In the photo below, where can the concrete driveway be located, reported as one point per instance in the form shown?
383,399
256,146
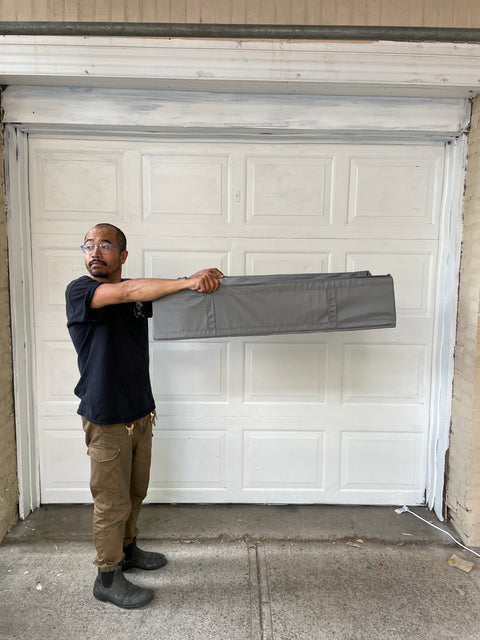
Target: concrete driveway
246,573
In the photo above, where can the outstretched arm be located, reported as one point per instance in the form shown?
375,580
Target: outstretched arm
146,289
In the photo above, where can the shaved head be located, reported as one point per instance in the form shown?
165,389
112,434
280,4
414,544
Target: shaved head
121,240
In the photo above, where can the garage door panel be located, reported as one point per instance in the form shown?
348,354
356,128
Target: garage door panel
83,184
186,187
381,461
76,183
285,372
384,373
56,372
190,371
283,459
394,188
188,458
64,476
289,190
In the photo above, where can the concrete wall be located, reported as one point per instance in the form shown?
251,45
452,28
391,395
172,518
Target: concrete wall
8,460
428,13
463,487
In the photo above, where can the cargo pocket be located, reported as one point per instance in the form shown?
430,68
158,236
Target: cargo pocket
99,454
105,472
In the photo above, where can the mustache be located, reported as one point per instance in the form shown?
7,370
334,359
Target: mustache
96,261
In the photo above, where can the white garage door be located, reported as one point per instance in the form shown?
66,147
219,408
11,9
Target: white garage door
317,418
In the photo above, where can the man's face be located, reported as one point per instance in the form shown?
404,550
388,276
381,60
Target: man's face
106,267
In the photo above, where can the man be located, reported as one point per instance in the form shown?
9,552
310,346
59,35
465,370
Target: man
107,321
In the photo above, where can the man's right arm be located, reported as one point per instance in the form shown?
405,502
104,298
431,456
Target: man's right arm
147,289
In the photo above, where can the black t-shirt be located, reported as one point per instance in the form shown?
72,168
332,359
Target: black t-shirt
113,357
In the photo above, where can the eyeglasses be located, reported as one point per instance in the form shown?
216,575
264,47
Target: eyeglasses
104,247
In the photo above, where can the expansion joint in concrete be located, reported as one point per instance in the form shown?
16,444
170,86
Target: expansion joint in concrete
262,625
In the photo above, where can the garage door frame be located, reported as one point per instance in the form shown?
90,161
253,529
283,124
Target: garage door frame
19,235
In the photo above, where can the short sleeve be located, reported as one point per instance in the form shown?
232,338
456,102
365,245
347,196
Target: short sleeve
79,294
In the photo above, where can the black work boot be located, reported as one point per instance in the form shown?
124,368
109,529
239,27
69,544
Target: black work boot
112,586
148,560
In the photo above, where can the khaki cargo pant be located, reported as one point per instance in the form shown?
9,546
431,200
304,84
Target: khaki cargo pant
119,474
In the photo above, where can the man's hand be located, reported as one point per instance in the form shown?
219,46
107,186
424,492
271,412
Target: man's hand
205,281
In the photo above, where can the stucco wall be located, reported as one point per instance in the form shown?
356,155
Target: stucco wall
463,487
428,13
8,461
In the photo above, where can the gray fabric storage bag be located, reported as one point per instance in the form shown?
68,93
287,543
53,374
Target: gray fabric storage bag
365,303
276,304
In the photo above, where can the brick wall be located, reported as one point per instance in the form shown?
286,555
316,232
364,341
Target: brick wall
463,485
8,459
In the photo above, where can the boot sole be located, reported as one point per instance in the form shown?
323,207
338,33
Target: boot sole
122,606
136,566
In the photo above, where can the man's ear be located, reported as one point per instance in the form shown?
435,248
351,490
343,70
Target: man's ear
124,255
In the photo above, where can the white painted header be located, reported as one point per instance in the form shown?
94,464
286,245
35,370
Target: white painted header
345,68
196,112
